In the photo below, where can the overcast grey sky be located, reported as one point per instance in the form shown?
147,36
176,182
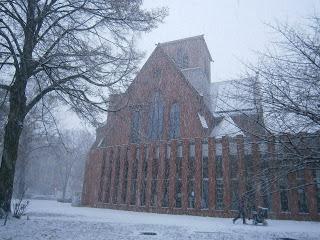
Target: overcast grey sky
233,29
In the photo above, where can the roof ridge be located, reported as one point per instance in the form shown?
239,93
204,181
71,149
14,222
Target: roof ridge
233,80
183,39
186,69
201,37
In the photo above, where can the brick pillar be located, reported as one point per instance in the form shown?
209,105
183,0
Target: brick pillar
172,173
311,194
88,188
139,176
241,164
87,180
114,159
121,173
275,184
160,188
256,169
94,186
99,169
149,174
198,173
184,173
293,195
131,159
96,170
212,173
226,174
104,179
108,156
276,199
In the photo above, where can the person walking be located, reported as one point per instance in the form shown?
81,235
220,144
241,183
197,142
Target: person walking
241,211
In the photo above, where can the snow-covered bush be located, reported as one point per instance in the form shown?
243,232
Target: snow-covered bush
19,208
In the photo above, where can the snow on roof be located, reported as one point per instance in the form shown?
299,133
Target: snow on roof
199,81
289,123
226,127
100,142
232,96
203,121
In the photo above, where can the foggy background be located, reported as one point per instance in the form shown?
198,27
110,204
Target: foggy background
233,29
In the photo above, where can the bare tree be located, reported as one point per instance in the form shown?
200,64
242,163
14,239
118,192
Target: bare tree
39,132
71,159
286,91
76,51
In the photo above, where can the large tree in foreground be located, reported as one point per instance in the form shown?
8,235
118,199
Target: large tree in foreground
75,51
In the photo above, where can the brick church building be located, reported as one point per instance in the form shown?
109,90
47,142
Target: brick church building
177,143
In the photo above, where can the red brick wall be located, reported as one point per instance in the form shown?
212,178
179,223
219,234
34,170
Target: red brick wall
173,87
95,177
92,178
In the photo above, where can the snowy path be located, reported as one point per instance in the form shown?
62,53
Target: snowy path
53,220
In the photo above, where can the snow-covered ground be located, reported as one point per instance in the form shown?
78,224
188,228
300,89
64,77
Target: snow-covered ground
53,220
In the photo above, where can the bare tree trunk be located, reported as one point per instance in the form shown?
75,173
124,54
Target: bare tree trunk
12,135
25,146
64,190
66,181
9,157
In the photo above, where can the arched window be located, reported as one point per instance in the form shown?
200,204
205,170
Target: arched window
174,128
156,117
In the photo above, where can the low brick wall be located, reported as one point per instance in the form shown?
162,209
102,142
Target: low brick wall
192,176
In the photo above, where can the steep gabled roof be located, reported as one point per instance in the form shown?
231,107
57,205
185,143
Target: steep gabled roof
197,78
232,96
178,70
226,127
170,60
199,37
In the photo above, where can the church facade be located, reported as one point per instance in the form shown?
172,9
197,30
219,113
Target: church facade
174,142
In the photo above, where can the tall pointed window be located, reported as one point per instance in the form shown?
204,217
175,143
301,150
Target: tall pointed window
156,117
174,129
234,170
134,177
178,194
205,176
219,177
165,200
302,197
191,170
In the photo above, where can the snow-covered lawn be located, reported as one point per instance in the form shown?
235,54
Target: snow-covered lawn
53,220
